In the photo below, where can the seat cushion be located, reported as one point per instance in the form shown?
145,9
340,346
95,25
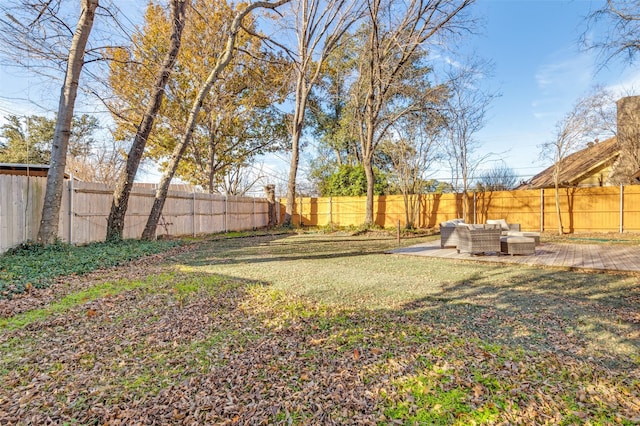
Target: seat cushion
516,240
452,222
534,235
502,222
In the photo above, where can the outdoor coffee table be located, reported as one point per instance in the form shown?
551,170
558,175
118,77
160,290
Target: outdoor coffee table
517,245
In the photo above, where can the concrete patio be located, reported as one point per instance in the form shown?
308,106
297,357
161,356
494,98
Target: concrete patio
598,257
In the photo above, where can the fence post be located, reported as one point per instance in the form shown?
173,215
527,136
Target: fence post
621,208
212,213
541,210
330,210
71,208
24,205
475,203
254,213
226,210
155,232
193,211
300,211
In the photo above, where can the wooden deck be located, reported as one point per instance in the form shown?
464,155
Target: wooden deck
599,257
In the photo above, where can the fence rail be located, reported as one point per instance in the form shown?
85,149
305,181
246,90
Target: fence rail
86,206
598,209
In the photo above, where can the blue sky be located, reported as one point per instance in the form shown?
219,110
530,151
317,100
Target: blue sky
539,70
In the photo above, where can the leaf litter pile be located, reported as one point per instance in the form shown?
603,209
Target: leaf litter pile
154,343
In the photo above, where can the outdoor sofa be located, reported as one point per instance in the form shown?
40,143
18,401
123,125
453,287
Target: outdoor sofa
478,238
448,234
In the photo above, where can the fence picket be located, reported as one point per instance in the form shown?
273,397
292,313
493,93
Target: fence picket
86,205
597,209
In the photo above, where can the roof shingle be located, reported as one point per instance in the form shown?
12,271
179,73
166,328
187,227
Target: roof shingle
578,165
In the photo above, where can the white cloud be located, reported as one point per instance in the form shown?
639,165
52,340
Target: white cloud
565,73
560,81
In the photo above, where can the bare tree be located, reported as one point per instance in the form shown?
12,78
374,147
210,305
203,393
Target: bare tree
48,232
582,124
392,81
222,61
102,165
466,111
36,35
319,26
498,178
412,150
621,37
124,184
239,179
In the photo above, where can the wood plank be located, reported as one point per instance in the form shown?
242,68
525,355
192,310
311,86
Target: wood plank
629,258
578,256
608,259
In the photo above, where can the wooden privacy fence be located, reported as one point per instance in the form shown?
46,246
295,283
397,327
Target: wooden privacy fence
86,206
597,209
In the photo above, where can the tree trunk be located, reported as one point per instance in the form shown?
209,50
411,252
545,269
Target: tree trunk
368,172
211,163
115,223
411,203
296,134
368,147
48,232
370,114
558,212
465,206
465,194
407,203
556,183
270,191
291,184
223,61
415,223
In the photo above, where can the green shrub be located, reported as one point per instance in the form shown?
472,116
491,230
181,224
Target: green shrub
31,265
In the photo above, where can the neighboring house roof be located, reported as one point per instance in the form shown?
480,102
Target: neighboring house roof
578,166
40,170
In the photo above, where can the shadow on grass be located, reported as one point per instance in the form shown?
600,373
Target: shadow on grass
285,249
205,345
569,313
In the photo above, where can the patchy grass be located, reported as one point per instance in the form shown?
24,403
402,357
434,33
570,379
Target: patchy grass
629,238
68,302
324,329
